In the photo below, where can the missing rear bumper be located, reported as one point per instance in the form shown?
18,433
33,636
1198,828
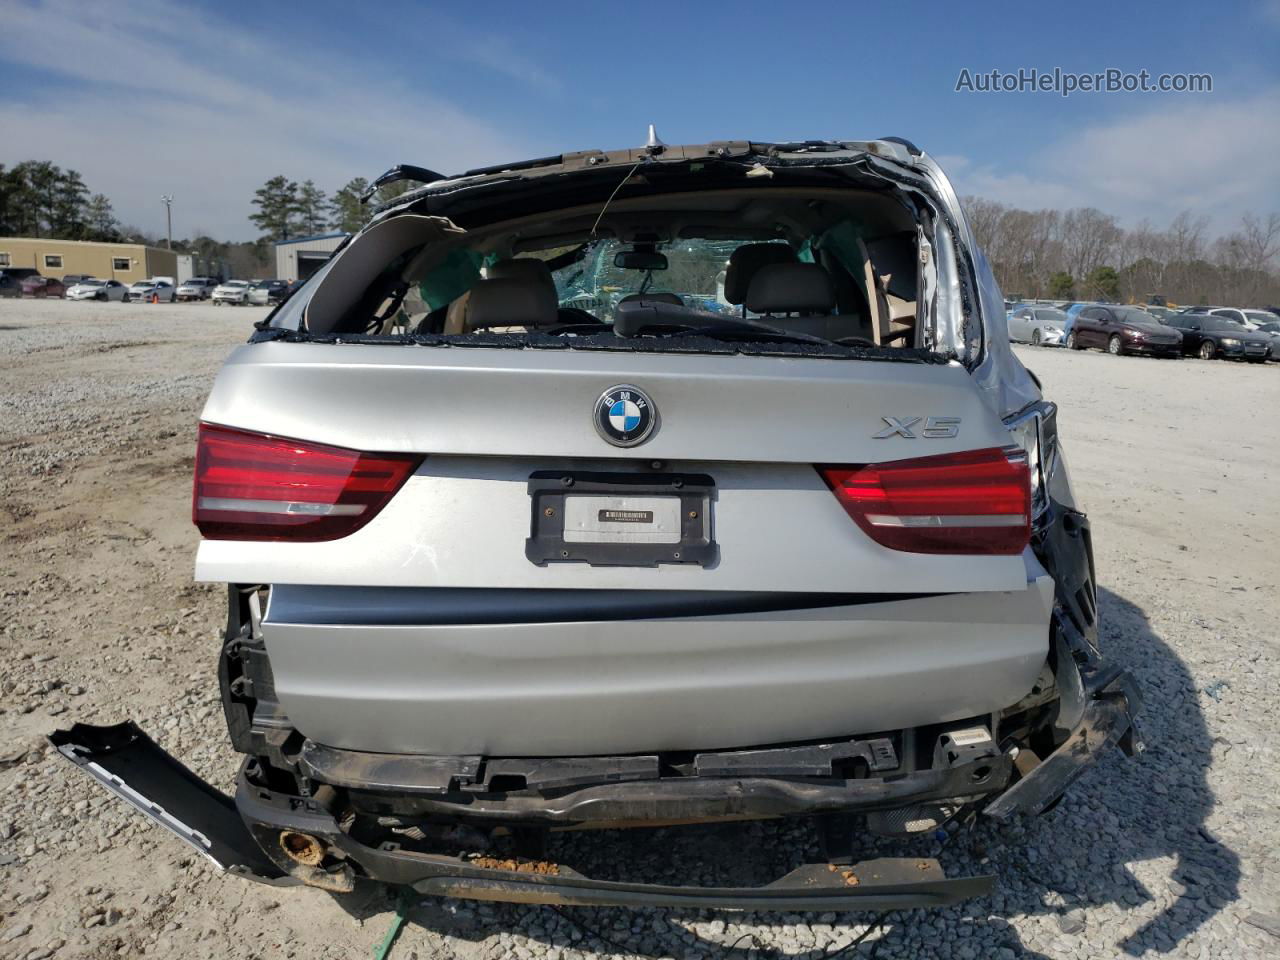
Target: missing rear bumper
882,884
247,837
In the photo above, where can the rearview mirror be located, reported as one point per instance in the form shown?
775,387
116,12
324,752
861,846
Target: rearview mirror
640,260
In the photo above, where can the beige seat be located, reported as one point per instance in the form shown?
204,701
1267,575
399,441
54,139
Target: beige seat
512,302
529,269
746,261
800,297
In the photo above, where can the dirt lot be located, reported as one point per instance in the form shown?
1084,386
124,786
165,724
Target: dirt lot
1172,854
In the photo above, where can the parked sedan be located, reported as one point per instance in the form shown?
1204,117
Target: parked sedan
148,290
1207,336
98,290
265,292
233,291
1161,313
196,288
38,286
1119,329
1271,328
1038,326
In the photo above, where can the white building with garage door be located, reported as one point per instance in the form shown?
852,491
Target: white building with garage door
300,258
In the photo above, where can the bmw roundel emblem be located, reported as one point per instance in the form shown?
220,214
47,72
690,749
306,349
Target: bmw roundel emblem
625,416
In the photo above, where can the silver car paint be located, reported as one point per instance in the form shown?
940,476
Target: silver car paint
539,402
462,522
665,684
487,418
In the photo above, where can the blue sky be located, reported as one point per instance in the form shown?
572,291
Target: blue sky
153,96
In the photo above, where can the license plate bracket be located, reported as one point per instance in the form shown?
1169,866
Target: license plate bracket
621,519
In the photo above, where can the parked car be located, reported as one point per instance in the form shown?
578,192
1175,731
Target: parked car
38,286
196,288
1209,335
10,286
729,570
1119,329
98,290
265,292
71,279
157,288
1038,326
1271,330
1235,314
1255,318
232,291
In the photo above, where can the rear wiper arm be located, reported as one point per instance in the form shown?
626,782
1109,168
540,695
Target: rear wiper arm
639,316
745,330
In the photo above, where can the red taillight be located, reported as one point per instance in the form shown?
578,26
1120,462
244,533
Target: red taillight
250,486
976,502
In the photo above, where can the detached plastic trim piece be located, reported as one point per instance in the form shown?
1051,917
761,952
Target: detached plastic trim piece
136,770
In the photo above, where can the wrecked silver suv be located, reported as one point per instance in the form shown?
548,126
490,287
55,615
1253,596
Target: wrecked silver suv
661,486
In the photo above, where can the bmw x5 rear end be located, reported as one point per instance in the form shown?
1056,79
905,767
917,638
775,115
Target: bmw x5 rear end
670,485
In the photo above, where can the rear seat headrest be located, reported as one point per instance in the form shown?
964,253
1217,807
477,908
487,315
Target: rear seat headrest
803,288
522,268
512,303
746,260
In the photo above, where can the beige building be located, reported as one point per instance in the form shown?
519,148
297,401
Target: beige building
127,262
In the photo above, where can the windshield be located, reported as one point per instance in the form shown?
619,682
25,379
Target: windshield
1260,316
1051,316
89,283
694,273
1223,325
1132,315
236,283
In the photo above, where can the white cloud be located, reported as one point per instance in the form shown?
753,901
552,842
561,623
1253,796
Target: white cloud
144,105
1210,155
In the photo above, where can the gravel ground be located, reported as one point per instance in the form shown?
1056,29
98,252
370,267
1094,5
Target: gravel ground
1172,854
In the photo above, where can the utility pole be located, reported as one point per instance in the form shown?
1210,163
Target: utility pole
167,199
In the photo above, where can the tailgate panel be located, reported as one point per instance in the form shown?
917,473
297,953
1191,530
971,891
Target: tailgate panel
463,522
540,402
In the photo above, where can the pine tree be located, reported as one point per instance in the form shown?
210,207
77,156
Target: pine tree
311,207
277,203
100,219
346,212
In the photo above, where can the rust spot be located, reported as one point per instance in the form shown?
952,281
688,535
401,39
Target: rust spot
848,876
302,848
543,867
924,865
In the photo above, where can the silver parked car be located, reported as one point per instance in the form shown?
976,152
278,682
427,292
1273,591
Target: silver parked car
196,288
500,564
231,291
1038,326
